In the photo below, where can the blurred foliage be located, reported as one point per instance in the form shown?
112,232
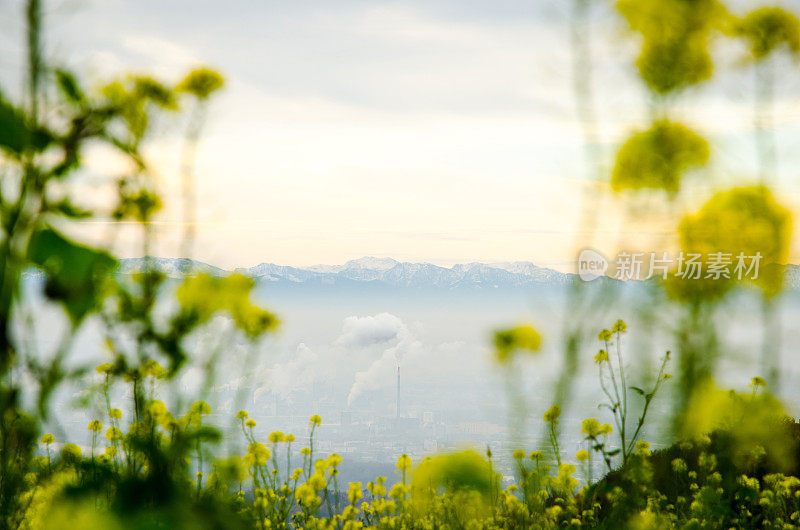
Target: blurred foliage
675,40
658,157
769,29
744,221
734,463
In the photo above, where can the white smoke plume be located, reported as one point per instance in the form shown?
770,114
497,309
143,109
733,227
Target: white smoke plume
381,373
299,371
360,332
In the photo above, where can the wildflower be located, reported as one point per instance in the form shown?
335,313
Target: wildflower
113,434
643,448
666,376
552,414
201,407
519,454
398,491
317,481
488,452
151,368
536,455
104,368
95,426
601,356
404,462
296,473
250,423
590,427
111,451
334,460
276,437
582,455
290,438
354,492
315,420
758,381
259,452
679,465
619,327
115,414
241,415
48,438
606,428
510,341
604,335
71,451
305,451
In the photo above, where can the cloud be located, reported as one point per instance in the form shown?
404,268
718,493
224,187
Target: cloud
300,371
360,332
381,372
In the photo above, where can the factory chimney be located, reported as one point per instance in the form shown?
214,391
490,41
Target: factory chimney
397,402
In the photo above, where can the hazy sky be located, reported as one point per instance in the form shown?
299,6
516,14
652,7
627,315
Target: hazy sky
437,130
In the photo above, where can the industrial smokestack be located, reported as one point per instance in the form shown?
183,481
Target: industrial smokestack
397,402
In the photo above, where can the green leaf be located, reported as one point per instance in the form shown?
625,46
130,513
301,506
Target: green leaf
75,272
638,390
69,86
613,452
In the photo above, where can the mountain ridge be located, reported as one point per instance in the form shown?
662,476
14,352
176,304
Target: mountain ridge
370,269
394,273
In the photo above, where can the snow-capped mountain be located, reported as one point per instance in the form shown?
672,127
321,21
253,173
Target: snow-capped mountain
385,271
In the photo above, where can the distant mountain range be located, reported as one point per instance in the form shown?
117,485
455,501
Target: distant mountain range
376,270
389,272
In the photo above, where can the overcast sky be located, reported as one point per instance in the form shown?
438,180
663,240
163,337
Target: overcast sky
436,130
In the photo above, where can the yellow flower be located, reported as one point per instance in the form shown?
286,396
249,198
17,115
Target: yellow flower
334,460
605,429
48,438
601,356
250,423
95,426
115,414
758,381
536,455
507,342
290,438
242,415
71,451
552,414
260,452
315,420
104,368
200,407
590,427
658,157
276,437
305,451
404,462
113,434
153,369
354,492
604,335
582,455
519,454
201,83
